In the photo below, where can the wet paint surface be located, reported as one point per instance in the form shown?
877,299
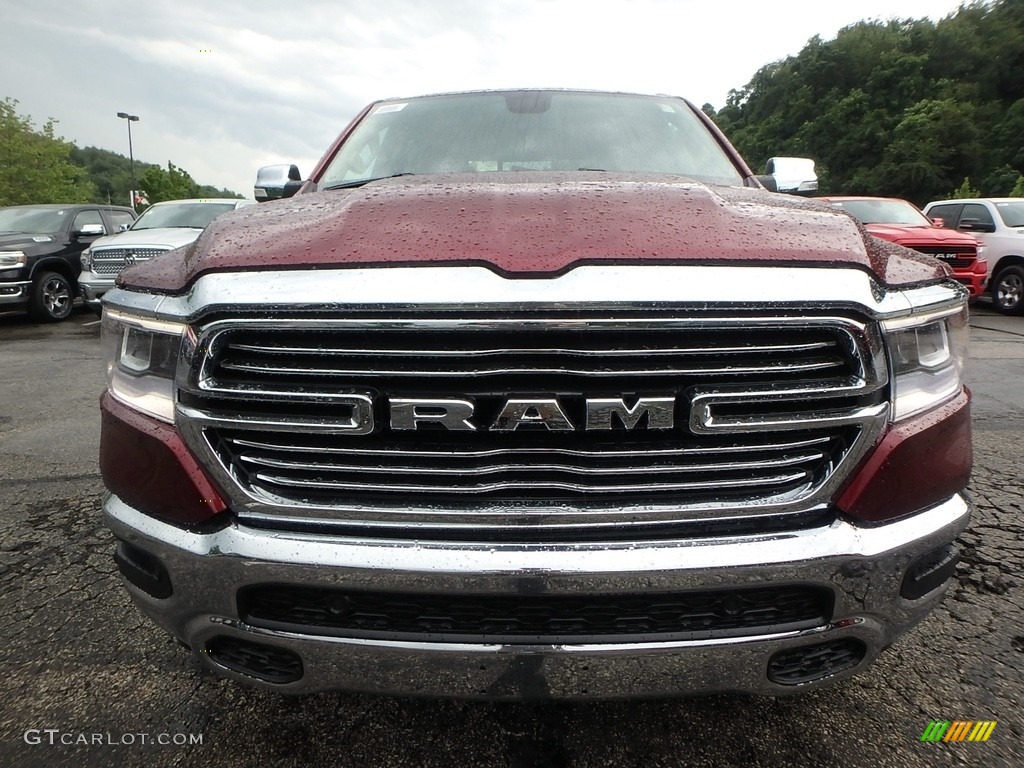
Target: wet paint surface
531,225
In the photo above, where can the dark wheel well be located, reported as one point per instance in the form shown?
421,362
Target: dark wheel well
59,266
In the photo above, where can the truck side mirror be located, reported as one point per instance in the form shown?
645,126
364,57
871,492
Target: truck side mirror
276,181
976,225
793,175
90,230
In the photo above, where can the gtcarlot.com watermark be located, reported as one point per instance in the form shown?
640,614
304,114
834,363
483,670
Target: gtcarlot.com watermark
55,736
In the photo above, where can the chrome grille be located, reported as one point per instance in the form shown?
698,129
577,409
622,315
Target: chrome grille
956,256
273,403
110,261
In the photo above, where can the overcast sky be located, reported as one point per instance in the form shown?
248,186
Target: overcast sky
225,87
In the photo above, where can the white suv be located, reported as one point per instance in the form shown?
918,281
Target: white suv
999,223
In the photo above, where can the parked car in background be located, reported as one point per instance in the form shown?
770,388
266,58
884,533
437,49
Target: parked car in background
162,227
39,253
901,222
999,223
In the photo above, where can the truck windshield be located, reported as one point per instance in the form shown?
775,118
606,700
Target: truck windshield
32,221
531,131
187,215
885,212
1012,214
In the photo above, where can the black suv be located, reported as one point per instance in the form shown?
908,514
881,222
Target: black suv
39,249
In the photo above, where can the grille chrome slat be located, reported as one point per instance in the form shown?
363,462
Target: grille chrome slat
247,459
354,351
731,370
533,485
455,453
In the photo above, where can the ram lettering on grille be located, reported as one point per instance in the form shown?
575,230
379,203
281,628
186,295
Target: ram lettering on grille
601,414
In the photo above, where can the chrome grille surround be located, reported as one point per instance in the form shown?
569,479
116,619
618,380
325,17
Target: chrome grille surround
761,440
956,256
110,261
798,292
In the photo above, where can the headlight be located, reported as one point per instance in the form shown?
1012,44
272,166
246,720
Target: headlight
926,358
141,356
85,259
11,259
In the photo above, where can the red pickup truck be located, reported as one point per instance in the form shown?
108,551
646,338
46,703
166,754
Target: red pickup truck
535,394
900,221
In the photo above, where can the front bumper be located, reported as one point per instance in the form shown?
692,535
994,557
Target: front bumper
974,280
92,289
15,293
863,568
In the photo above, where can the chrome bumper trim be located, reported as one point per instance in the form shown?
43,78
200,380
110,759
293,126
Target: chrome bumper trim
14,297
863,567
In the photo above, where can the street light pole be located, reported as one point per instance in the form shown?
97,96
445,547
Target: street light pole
131,157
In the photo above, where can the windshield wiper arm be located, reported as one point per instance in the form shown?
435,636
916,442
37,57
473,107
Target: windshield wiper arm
361,182
169,226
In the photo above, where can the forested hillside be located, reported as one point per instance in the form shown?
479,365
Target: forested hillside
905,108
110,173
38,166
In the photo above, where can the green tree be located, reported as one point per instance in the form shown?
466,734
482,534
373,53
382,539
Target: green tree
998,183
172,184
208,190
35,166
904,108
1018,188
932,147
109,172
965,190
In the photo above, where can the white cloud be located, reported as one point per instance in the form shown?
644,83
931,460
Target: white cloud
223,88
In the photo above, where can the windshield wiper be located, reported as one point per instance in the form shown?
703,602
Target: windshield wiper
167,226
361,182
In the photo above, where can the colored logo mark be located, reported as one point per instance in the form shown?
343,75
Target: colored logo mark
958,730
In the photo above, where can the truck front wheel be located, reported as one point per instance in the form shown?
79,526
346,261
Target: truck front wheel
1008,290
51,299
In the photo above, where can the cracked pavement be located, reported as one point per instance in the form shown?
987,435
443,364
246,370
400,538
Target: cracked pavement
78,658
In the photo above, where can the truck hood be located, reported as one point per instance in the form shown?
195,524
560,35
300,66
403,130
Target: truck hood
158,237
530,225
10,241
920,235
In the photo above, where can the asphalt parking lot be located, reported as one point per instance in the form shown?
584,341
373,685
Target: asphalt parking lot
87,682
